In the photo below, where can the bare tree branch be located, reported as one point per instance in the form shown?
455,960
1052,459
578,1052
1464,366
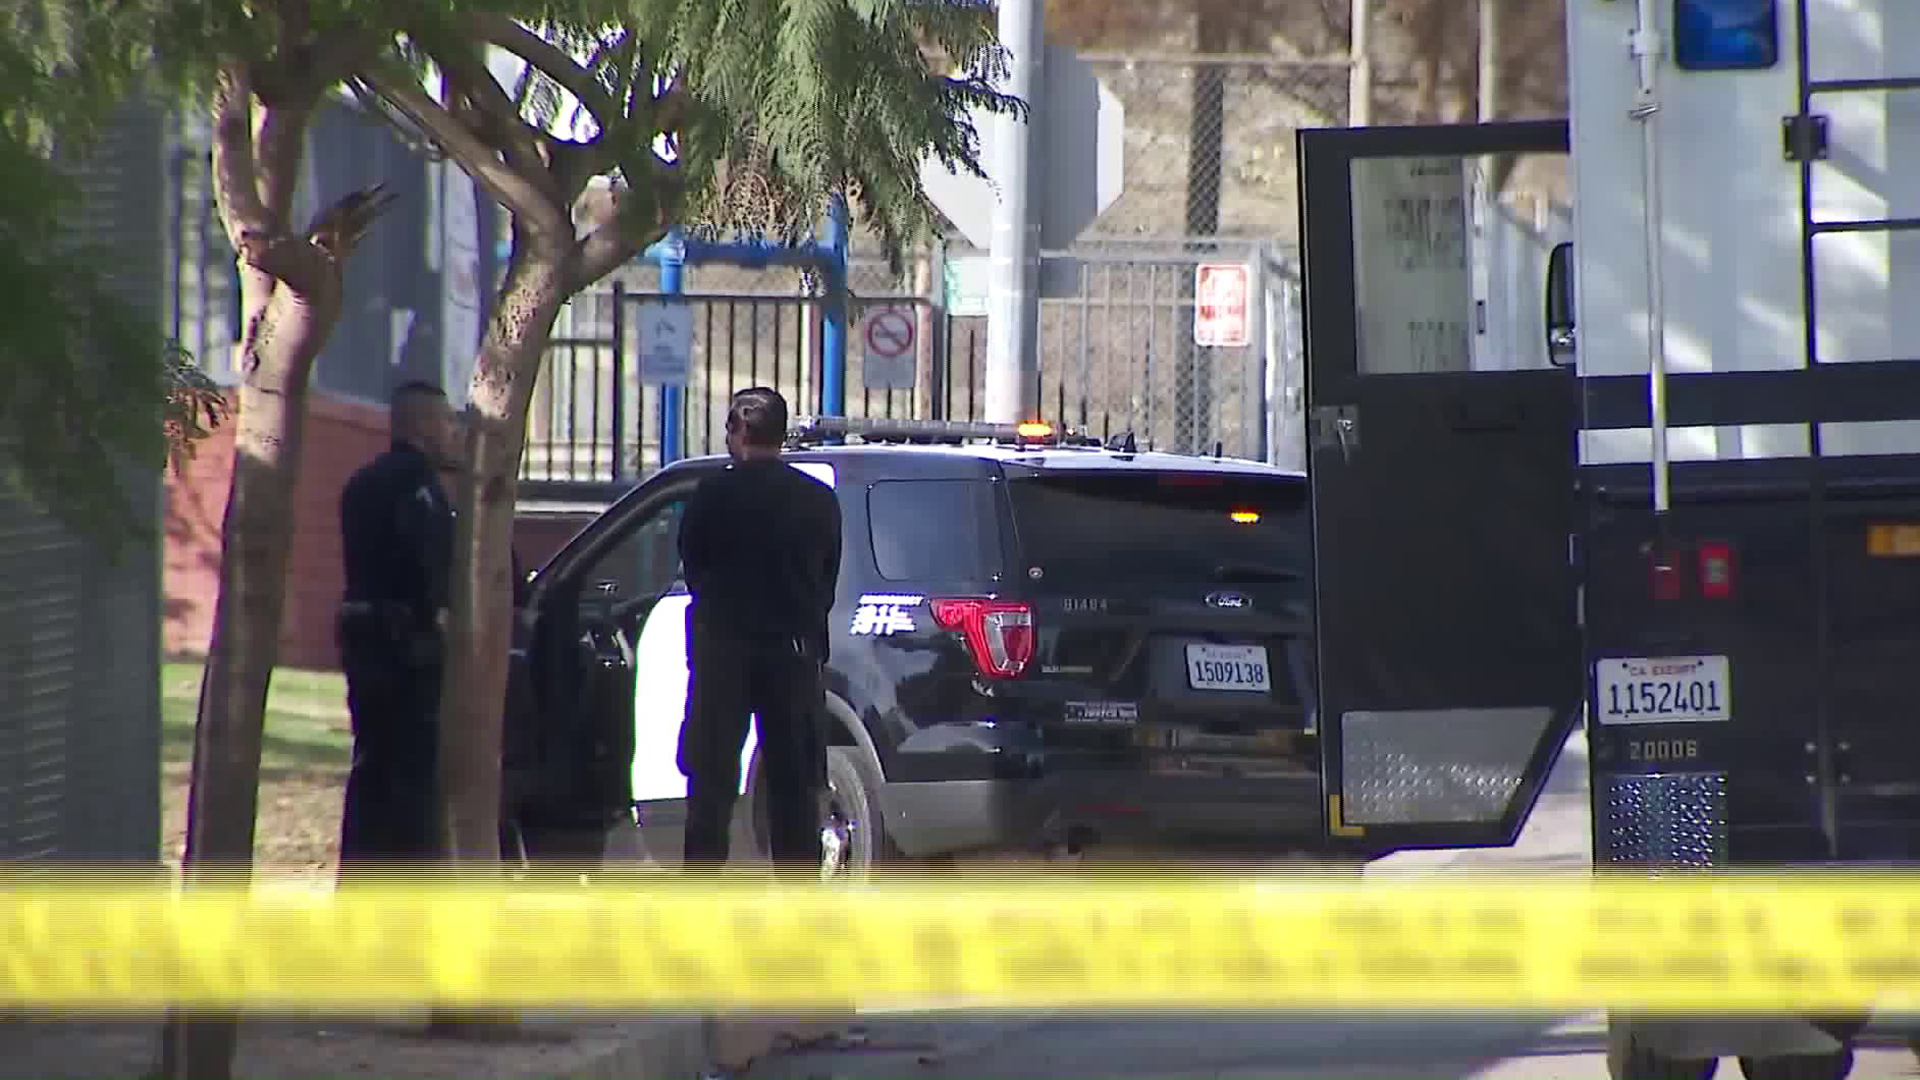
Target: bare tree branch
552,61
333,57
500,120
279,144
615,241
523,197
234,174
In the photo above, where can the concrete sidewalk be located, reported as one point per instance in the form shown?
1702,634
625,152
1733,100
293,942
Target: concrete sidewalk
396,1047
391,1048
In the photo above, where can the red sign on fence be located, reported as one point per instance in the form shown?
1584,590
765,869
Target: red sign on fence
1221,295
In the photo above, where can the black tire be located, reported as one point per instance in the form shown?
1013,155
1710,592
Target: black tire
852,808
1834,1066
1627,1059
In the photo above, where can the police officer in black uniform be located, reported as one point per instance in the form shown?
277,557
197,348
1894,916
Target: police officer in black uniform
396,528
760,548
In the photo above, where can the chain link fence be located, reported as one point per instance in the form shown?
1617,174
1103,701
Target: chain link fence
1209,143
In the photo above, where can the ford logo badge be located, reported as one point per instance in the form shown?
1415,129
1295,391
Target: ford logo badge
1230,600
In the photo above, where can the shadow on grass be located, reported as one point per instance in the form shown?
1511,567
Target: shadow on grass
290,744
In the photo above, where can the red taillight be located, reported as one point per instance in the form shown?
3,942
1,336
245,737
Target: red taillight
1666,570
1680,569
999,633
1716,570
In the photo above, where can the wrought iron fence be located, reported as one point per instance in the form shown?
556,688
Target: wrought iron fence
1117,354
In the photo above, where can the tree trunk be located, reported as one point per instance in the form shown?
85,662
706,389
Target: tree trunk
291,295
474,695
280,344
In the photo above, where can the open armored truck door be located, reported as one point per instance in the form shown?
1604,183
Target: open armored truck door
1442,435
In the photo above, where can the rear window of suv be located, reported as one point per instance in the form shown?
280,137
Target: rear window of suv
932,530
1146,528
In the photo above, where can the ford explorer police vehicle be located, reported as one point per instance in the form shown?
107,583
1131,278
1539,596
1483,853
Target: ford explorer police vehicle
1038,640
1689,504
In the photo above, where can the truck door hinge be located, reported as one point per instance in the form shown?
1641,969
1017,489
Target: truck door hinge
1803,137
1337,425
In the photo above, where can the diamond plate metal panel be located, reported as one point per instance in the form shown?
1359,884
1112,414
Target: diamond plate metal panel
1672,819
1435,765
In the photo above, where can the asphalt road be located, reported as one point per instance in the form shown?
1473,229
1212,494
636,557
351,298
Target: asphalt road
938,1046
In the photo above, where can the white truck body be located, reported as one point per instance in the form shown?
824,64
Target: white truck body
1732,267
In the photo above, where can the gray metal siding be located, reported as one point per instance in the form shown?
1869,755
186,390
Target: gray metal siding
80,641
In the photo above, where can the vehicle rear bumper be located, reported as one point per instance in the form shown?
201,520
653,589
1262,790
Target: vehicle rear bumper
937,817
1700,1037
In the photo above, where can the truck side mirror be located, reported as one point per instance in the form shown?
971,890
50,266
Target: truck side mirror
1559,313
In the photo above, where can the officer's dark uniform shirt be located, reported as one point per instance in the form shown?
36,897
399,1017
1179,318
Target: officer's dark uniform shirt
760,545
397,530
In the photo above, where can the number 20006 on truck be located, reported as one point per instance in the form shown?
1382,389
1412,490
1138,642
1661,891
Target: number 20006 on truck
1662,690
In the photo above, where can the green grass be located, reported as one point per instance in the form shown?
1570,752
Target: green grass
306,728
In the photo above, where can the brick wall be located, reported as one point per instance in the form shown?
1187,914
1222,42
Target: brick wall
537,537
341,436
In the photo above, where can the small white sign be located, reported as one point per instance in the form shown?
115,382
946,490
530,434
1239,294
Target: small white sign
666,342
1663,690
888,334
1220,301
967,286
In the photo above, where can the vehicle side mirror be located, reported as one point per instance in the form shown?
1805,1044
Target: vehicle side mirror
1559,307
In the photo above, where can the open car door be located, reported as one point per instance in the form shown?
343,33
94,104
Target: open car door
1441,454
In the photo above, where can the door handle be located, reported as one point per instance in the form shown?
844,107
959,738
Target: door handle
1337,425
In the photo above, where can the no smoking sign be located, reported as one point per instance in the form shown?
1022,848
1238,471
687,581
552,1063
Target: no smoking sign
888,335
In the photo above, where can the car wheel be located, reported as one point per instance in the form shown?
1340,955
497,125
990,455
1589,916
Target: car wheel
1834,1066
1628,1059
853,835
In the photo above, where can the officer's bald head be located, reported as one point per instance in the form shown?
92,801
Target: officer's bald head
422,418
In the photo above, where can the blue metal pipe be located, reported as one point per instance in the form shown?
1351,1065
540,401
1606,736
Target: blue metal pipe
672,254
831,256
833,332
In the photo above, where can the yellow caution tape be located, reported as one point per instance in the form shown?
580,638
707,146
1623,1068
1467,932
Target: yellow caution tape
1819,943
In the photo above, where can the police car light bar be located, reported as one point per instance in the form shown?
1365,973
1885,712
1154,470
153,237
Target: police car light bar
816,429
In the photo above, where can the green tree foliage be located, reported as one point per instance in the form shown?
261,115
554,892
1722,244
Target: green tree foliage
85,376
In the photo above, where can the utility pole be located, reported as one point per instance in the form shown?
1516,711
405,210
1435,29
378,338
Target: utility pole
1013,325
1360,66
1489,60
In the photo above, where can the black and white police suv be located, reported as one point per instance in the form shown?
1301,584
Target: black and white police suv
1038,640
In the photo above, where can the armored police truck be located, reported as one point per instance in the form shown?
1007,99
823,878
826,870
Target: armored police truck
1688,506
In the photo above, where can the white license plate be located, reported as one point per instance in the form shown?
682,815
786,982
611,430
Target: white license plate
1663,690
1228,667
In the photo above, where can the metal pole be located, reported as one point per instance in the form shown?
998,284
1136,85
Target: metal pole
1253,387
1489,77
1013,330
833,328
673,283
1360,69
619,421
1646,48
933,322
